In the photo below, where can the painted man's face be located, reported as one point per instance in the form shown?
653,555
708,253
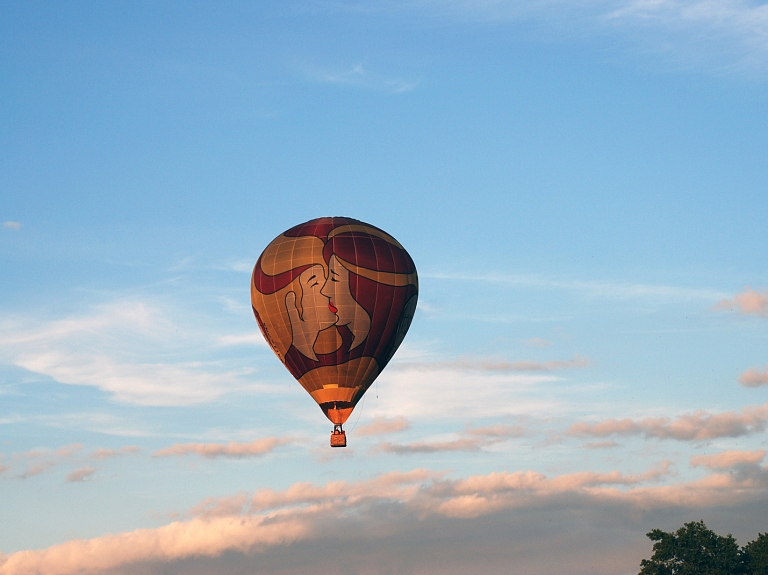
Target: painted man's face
316,307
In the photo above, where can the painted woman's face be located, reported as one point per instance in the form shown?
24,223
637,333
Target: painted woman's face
317,310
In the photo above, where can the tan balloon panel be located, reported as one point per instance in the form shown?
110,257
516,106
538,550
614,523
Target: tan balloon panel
334,298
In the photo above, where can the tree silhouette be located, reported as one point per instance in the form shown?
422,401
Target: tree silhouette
695,550
756,555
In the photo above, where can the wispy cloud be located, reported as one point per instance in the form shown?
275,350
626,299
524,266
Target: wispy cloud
498,366
254,338
497,431
232,449
359,76
241,266
748,302
600,444
739,29
12,225
471,439
101,348
468,390
754,378
46,459
537,342
597,289
62,452
37,469
80,475
697,426
383,425
182,264
728,459
421,447
714,34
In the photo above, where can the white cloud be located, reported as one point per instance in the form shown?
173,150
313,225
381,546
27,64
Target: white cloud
102,349
446,391
143,384
11,225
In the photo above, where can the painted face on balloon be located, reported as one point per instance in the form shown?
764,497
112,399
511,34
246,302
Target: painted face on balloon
316,312
341,302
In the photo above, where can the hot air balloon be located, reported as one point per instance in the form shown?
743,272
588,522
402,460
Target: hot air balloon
334,298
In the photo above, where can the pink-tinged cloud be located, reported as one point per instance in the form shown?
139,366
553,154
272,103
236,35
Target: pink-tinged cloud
754,378
220,506
80,475
179,540
728,459
3,468
600,445
697,426
432,513
395,485
748,302
63,451
49,458
103,453
384,425
12,225
37,469
232,449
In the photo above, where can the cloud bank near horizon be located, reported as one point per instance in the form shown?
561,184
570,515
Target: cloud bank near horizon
277,531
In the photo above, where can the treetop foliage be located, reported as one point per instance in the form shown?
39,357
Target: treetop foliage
696,550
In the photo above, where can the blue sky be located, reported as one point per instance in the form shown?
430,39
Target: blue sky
581,186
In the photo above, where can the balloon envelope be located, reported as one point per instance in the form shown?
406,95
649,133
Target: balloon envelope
334,298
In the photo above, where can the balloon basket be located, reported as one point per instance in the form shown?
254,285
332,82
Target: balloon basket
338,437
